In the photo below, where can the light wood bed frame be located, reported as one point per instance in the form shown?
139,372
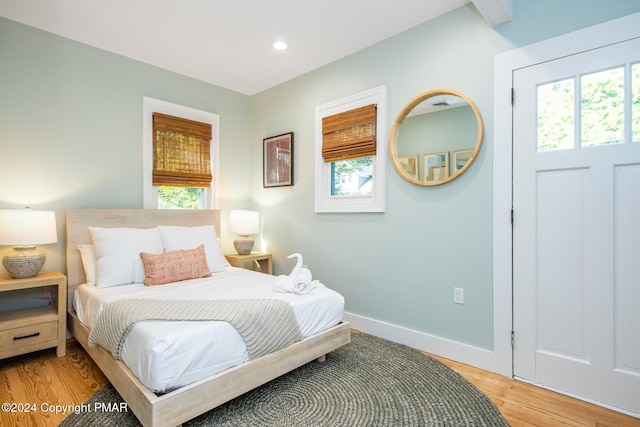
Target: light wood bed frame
181,405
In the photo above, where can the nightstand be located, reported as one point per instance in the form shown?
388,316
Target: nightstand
263,261
31,329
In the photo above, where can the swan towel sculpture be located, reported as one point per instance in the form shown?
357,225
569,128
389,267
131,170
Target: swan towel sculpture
299,281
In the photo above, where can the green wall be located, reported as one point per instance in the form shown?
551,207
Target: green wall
70,136
71,126
71,130
400,267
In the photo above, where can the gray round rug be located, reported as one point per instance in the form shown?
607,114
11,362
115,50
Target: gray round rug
369,382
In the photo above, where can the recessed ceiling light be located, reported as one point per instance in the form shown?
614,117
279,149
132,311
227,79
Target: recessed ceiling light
280,45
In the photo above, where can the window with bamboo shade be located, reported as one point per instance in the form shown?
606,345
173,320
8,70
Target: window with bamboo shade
181,152
351,152
349,134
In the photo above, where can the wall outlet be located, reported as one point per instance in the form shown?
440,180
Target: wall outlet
458,295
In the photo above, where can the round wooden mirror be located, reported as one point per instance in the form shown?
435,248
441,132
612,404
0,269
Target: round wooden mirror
436,137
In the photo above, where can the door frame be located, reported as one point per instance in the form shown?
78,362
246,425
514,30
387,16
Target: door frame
505,64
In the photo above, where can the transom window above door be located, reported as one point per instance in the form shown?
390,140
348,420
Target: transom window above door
586,110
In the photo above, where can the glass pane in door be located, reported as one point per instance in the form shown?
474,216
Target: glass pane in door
556,115
603,107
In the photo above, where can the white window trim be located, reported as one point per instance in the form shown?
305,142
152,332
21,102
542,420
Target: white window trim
324,201
150,106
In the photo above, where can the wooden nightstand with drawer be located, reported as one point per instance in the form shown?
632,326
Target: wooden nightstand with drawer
26,330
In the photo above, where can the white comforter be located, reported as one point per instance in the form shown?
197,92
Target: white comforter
170,354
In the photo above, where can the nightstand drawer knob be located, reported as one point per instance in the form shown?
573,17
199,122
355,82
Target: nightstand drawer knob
26,336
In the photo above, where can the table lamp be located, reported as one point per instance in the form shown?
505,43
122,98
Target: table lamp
244,223
24,229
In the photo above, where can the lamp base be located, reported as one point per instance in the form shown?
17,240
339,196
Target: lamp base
243,245
24,261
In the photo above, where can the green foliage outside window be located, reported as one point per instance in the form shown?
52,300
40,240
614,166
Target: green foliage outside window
601,110
351,176
179,198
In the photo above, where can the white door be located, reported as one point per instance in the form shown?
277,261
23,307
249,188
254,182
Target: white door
576,235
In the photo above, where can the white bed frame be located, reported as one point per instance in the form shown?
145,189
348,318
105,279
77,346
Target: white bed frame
188,402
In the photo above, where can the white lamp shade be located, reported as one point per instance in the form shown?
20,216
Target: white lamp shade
244,222
27,227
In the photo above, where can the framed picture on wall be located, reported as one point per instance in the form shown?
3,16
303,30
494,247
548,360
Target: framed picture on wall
460,159
435,166
410,165
278,160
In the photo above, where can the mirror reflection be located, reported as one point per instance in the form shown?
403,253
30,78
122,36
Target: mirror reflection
436,137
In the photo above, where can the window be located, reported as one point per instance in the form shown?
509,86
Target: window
181,161
589,109
351,153
184,177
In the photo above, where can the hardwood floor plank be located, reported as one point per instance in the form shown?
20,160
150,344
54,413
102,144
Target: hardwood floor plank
41,377
43,380
524,404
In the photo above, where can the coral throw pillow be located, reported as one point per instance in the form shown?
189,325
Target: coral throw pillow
174,266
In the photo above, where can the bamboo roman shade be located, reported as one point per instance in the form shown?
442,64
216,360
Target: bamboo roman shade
349,134
181,152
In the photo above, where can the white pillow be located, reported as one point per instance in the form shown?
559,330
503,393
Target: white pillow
118,250
88,257
180,238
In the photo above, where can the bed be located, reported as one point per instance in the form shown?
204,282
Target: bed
172,401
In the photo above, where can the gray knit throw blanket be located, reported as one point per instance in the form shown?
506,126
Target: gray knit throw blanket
266,325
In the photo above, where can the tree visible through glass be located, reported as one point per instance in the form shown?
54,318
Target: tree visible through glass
601,109
352,177
180,197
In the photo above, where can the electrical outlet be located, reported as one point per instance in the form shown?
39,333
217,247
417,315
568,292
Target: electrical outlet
458,295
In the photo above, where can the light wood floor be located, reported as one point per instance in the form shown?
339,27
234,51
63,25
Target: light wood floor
42,378
523,404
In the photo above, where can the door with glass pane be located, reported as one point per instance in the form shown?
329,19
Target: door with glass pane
576,200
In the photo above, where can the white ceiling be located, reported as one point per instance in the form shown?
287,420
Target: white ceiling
229,42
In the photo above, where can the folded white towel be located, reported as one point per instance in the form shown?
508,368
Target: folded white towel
305,273
284,284
302,286
299,281
296,270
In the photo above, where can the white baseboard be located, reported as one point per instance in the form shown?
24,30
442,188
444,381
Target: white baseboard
449,349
